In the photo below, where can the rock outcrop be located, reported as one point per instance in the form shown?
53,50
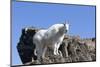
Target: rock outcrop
73,49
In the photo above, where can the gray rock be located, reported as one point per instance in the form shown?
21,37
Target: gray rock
73,49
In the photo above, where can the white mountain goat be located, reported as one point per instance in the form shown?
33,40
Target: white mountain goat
51,37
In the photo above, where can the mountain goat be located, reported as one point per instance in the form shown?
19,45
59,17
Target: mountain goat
51,37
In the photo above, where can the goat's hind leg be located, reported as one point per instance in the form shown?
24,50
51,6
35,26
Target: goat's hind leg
44,51
39,54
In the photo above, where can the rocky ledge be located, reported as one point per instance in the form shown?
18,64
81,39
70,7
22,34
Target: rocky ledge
74,49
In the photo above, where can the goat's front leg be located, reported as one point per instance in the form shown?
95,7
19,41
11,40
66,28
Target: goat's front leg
56,49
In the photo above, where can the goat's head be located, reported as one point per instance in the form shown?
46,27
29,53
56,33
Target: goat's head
63,28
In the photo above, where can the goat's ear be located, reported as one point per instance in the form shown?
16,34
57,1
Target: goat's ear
64,23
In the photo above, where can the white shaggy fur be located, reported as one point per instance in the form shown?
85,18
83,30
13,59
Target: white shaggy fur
51,37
